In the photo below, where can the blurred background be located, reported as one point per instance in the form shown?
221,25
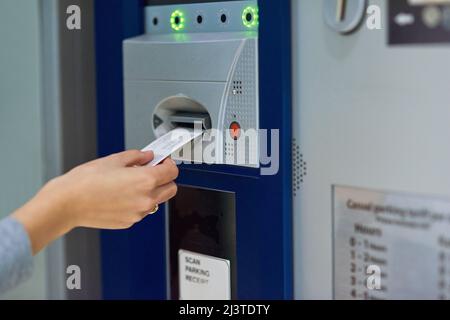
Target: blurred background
47,126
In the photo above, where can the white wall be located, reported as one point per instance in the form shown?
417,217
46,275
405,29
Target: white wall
367,115
21,145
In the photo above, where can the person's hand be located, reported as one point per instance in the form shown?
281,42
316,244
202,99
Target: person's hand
117,191
109,193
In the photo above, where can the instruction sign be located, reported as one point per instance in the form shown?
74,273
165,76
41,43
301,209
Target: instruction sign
203,277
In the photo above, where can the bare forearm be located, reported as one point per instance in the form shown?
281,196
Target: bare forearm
44,218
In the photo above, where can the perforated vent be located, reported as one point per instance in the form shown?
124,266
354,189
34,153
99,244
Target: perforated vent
237,87
229,150
300,169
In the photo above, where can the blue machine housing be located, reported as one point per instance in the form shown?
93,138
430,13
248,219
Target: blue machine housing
134,261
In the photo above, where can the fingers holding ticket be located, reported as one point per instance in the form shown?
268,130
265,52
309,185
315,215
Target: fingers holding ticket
171,142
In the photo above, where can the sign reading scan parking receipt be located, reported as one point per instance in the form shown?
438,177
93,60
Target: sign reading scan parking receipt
171,142
390,245
203,277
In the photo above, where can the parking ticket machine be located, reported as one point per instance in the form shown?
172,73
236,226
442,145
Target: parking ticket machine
219,67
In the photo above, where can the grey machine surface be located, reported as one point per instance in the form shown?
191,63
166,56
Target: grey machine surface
371,139
197,73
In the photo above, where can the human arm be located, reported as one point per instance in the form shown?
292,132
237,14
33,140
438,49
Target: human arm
109,193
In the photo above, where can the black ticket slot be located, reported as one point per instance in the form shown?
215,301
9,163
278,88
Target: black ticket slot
202,222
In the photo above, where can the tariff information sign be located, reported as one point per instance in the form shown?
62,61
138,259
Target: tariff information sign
390,245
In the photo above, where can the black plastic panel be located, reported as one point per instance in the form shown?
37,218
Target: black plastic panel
408,24
202,221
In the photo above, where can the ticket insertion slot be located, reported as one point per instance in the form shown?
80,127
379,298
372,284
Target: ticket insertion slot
190,120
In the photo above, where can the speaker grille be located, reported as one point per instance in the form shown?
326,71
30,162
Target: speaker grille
300,169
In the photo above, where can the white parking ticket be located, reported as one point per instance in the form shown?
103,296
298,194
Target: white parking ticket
170,142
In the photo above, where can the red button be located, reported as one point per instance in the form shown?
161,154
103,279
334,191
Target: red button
235,130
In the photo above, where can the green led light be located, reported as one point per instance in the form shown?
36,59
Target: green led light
250,17
177,20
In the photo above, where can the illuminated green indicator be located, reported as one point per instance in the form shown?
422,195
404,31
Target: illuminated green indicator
250,17
177,20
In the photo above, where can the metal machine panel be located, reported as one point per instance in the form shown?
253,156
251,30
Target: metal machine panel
200,17
211,73
196,57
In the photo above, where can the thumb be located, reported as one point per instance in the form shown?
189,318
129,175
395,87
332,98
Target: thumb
133,158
